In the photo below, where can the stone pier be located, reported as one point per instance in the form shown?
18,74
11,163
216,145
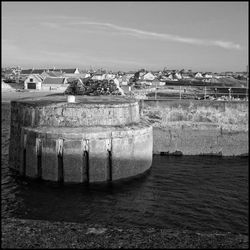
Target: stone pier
95,139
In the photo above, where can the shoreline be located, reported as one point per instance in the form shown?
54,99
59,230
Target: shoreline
26,233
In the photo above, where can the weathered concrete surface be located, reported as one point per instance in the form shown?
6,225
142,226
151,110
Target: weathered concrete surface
93,111
54,111
131,155
201,140
185,104
79,142
130,152
74,166
49,160
31,169
98,160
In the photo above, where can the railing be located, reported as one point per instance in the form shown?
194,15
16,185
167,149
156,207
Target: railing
198,92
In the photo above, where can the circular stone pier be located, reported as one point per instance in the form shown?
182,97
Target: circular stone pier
94,139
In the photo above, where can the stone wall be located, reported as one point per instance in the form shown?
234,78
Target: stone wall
92,140
202,140
184,104
110,155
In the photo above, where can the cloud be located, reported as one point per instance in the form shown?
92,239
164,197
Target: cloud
162,36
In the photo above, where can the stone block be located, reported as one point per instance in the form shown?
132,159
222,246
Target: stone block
98,160
49,160
122,157
74,166
31,156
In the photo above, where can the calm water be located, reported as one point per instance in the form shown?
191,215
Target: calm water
204,194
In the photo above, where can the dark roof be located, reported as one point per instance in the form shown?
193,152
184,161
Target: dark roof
54,73
69,71
53,80
26,71
55,70
38,71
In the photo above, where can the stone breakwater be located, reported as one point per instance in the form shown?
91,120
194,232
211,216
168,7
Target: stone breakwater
94,139
192,127
200,139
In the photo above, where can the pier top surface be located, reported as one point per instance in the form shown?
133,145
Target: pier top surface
79,100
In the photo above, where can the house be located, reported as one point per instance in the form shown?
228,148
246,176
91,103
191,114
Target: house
157,82
85,75
54,80
172,77
23,75
109,76
33,81
207,75
98,76
54,83
70,72
177,75
185,76
51,74
198,75
148,76
124,80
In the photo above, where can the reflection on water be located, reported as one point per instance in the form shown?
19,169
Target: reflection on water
196,193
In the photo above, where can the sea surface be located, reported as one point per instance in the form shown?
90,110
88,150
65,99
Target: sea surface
203,194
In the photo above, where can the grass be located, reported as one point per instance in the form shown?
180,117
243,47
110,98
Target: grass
230,118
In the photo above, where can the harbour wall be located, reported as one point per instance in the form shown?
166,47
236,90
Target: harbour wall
199,138
185,104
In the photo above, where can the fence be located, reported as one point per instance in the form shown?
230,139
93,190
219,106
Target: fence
198,92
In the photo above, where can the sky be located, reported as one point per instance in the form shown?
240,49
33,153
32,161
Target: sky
201,36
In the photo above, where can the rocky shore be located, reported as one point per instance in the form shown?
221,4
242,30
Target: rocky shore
18,233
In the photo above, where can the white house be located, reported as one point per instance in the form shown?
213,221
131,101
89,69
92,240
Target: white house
185,76
33,81
207,75
198,75
50,83
148,76
124,80
98,76
109,76
178,75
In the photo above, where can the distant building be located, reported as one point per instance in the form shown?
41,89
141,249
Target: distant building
98,76
186,76
70,72
207,75
54,82
51,74
33,81
148,76
156,82
198,75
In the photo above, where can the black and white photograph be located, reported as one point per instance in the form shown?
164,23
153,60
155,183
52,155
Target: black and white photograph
125,125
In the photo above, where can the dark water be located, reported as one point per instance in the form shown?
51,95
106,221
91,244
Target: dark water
204,194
